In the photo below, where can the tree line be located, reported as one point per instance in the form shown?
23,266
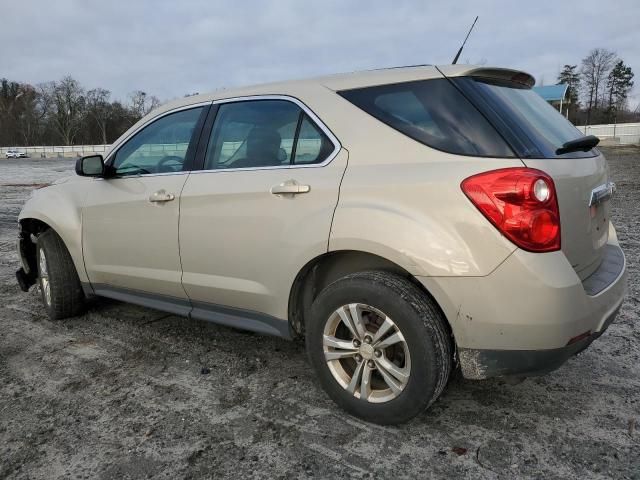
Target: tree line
65,113
599,89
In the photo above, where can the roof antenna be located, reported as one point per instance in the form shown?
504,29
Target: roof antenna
455,60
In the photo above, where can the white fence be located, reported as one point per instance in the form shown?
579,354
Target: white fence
71,151
622,133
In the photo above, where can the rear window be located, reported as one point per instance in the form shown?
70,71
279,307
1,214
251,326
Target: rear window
434,113
533,128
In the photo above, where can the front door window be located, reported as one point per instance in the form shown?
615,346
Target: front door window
160,147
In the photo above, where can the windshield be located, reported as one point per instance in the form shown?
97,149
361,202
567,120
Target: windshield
533,128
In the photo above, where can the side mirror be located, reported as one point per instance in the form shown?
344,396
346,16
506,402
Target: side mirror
90,166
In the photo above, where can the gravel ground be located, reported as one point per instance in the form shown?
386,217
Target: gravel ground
120,392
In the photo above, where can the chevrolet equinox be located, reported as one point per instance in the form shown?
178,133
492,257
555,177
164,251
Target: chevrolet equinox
405,222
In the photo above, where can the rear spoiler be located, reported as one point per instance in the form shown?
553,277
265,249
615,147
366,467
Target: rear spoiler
507,74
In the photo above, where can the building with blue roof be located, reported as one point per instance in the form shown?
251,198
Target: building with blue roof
556,95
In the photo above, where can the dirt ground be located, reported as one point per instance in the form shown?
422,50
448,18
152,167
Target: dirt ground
121,392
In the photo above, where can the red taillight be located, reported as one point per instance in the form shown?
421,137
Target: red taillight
521,203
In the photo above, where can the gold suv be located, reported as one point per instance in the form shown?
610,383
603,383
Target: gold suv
405,222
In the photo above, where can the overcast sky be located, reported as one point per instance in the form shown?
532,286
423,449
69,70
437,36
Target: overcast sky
169,48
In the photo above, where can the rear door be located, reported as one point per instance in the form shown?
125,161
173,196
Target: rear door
260,208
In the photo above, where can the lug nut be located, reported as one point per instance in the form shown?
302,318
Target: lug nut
356,343
371,364
367,339
358,358
377,353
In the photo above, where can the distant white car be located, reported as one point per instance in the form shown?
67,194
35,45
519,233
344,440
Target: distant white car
15,154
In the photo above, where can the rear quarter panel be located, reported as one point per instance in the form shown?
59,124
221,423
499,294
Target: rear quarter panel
402,200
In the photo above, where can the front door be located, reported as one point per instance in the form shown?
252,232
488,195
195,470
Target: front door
261,207
130,221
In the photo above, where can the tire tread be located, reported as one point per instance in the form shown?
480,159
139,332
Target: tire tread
67,296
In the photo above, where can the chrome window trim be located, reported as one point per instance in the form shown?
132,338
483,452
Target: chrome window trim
116,146
337,146
145,175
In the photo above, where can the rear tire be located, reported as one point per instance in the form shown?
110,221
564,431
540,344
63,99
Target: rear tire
407,358
62,293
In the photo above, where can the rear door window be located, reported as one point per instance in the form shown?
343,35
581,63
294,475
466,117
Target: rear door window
252,134
434,113
265,133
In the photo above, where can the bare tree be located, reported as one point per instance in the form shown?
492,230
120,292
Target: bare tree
31,115
595,68
99,108
10,97
142,104
68,104
60,112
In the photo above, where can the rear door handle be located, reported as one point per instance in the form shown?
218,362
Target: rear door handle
290,187
161,196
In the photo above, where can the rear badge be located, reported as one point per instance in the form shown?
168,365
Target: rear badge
601,194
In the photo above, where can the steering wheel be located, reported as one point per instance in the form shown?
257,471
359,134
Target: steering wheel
170,158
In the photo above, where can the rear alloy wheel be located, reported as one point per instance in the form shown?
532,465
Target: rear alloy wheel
379,346
366,353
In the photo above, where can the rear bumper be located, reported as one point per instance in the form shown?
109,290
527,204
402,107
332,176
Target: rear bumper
479,364
524,317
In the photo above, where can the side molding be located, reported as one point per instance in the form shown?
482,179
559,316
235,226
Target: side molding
221,315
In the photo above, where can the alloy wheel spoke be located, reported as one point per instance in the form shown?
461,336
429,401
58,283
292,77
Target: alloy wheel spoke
338,354
390,340
355,379
365,383
346,319
43,264
356,317
399,373
382,331
334,342
394,384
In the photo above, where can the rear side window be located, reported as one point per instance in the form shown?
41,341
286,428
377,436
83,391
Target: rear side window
312,145
534,128
434,113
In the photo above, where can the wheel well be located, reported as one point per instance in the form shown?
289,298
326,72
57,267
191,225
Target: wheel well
30,227
33,225
329,267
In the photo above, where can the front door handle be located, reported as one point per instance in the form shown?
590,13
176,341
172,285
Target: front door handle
161,196
290,187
